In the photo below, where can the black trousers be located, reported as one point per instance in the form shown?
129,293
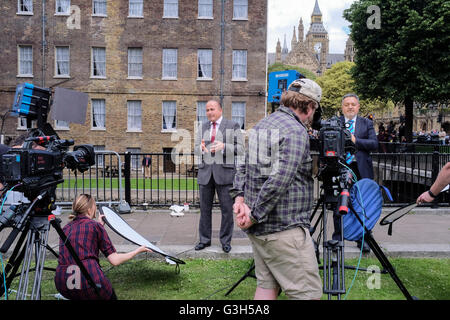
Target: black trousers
207,193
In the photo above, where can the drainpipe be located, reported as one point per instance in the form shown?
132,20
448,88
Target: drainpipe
44,44
222,51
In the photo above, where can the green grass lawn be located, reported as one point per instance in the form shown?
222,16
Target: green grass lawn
199,279
136,183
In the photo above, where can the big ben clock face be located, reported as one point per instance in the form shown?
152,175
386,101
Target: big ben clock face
317,47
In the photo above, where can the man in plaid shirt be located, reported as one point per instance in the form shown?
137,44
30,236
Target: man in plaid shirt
273,194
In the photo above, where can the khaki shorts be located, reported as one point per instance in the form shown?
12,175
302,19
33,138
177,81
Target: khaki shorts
287,260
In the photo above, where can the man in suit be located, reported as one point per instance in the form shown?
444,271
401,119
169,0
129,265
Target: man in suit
217,143
365,139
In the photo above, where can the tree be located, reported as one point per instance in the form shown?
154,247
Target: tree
406,57
338,81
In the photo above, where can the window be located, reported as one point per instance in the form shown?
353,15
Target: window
134,157
169,68
169,116
201,112
239,65
136,8
25,7
99,158
238,113
98,63
62,7
99,8
170,9
134,115
98,114
22,124
205,9
61,125
204,63
62,61
25,61
240,9
135,63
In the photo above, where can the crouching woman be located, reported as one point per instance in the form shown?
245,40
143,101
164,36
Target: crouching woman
88,237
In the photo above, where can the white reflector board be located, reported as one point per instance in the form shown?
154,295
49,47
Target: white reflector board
123,229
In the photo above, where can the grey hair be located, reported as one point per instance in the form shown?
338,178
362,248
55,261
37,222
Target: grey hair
348,95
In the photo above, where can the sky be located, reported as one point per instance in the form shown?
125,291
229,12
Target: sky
283,15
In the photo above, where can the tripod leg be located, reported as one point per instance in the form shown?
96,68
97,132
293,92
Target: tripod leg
23,282
41,245
386,264
247,274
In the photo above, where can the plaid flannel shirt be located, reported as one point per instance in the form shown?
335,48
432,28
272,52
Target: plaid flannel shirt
276,179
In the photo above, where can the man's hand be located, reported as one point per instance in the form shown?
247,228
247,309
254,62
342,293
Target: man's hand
204,149
217,146
424,197
242,212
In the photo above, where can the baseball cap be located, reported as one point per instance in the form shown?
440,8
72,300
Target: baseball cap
307,88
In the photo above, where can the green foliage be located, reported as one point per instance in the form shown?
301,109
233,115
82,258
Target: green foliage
409,56
338,81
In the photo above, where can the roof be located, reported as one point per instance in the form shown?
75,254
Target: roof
316,11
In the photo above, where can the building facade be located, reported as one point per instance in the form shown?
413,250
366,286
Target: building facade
148,67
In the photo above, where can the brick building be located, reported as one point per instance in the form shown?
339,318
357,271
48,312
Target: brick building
147,66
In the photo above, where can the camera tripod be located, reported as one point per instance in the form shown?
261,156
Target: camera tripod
34,228
333,250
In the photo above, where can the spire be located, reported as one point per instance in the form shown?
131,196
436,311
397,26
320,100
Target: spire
294,40
285,48
316,11
300,30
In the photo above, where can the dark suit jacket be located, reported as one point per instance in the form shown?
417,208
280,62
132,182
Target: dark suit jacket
366,141
220,165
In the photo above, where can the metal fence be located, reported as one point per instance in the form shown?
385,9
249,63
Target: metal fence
172,179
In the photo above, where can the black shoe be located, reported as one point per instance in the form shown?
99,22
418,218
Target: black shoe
366,248
201,246
226,248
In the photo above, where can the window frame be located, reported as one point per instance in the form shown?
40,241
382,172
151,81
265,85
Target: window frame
239,18
198,65
164,9
141,64
92,63
211,17
141,2
174,129
103,15
164,77
67,13
56,63
24,13
92,115
129,129
19,74
233,78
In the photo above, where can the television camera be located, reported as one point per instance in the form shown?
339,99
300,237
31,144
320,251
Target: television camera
36,171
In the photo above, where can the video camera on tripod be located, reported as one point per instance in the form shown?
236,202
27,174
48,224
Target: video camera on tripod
36,173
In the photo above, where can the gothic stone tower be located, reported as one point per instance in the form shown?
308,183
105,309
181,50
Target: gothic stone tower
317,38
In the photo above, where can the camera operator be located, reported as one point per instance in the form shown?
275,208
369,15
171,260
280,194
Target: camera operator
365,139
88,237
273,202
441,181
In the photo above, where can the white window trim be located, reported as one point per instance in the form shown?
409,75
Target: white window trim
136,77
92,64
61,128
240,19
172,17
24,13
162,67
92,117
64,14
134,130
19,75
162,118
56,66
101,15
135,17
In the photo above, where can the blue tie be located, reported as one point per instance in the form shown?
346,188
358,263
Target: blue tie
349,158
